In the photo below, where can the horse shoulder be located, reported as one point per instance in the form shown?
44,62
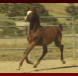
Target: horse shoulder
38,35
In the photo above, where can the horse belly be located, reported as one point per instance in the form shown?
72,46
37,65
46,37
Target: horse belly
48,39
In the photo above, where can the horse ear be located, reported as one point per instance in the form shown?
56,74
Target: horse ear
28,8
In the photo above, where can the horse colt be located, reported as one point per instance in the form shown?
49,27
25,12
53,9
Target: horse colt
39,36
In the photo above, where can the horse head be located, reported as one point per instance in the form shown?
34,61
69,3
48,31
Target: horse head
31,15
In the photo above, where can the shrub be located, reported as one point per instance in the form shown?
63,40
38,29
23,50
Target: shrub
7,31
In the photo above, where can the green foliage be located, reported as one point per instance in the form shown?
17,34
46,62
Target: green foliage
7,31
20,9
72,10
50,21
10,31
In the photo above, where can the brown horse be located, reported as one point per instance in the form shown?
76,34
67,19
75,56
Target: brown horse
41,36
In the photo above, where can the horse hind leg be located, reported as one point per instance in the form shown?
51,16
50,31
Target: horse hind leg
61,47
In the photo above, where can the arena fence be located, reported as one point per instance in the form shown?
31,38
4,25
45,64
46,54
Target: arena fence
44,17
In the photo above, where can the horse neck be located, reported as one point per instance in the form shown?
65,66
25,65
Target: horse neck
34,25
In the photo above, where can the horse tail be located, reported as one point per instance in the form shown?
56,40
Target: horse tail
61,27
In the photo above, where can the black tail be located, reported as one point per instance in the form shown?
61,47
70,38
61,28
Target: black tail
61,27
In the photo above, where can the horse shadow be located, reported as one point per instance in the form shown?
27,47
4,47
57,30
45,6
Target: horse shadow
56,68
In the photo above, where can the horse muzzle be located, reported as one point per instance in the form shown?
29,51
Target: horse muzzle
25,19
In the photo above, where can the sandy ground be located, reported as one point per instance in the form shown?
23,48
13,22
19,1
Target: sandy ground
46,66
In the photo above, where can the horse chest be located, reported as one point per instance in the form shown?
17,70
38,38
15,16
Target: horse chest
32,37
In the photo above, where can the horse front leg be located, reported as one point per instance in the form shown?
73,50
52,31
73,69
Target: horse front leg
29,48
44,53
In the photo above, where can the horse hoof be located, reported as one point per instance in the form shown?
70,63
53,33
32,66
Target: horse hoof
35,66
63,62
17,68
